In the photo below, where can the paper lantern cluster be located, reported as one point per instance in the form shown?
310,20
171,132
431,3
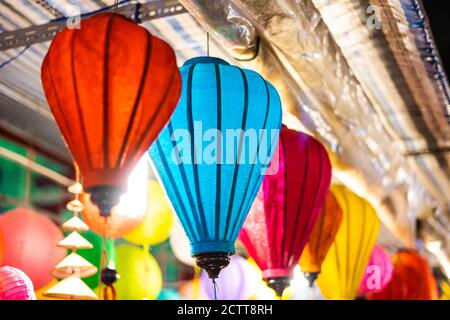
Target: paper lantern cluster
114,91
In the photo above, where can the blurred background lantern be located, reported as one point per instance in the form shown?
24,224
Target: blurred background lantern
130,211
211,184
111,86
286,208
321,238
158,219
346,261
29,244
15,285
378,272
234,282
179,243
412,279
140,275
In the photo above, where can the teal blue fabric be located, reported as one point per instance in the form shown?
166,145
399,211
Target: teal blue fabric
212,198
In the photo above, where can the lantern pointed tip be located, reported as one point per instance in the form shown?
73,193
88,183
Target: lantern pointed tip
212,262
278,284
311,277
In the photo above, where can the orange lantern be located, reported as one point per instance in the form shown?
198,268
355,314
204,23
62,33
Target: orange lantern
321,238
412,279
111,86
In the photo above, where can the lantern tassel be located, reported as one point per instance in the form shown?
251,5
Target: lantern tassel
215,288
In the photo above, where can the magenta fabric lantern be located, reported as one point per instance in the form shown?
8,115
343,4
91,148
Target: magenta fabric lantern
233,283
15,285
378,272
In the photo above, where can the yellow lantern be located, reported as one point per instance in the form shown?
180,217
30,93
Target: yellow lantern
347,258
158,220
140,275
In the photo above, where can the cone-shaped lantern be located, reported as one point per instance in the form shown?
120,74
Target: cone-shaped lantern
75,224
71,288
73,267
286,208
75,240
223,134
111,86
321,238
74,264
347,258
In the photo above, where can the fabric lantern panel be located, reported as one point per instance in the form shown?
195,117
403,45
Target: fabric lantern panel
378,272
346,261
234,282
15,285
29,244
287,206
321,238
211,176
140,275
111,86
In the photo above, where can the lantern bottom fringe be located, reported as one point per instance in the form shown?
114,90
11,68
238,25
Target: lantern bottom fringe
105,198
278,284
311,277
212,262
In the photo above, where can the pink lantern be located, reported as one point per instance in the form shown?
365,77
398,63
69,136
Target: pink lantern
29,243
378,272
15,285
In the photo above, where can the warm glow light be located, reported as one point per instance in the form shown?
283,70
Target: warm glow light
134,202
435,248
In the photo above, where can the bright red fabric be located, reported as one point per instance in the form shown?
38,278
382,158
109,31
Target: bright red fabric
112,87
288,204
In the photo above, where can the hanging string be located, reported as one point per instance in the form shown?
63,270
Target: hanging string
311,293
215,288
207,44
3,64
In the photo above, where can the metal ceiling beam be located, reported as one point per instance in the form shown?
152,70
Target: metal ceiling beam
46,32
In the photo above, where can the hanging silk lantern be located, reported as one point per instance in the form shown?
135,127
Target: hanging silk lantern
378,271
15,285
412,279
29,244
140,275
234,282
321,238
212,155
130,211
158,219
111,86
286,208
347,258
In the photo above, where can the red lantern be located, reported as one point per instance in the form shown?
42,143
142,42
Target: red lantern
29,243
412,279
287,206
111,86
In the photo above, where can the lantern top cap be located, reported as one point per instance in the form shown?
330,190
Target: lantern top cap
205,59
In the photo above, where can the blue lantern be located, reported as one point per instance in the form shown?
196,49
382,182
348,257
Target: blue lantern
212,155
